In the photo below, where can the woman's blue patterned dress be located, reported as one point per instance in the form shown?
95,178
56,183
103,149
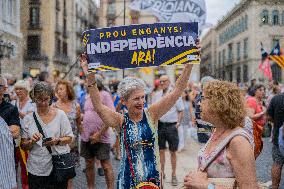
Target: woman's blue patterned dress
140,163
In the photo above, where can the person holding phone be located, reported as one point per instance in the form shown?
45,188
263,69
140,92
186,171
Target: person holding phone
58,135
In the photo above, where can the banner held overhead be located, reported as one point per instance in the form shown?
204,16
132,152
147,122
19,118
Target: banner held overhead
145,45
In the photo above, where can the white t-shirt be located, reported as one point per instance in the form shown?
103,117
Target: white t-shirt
28,107
39,160
172,115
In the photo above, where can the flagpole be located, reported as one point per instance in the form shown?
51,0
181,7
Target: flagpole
124,14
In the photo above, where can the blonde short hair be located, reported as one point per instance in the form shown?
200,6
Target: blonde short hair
227,102
23,84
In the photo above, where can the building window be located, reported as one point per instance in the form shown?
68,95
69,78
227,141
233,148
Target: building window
245,48
64,8
34,16
65,48
111,10
276,72
230,53
219,59
64,25
58,46
223,57
238,74
223,75
231,76
33,45
238,51
274,42
246,21
283,18
275,17
7,8
264,17
245,73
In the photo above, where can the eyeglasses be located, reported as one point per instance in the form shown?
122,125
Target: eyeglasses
163,81
2,86
42,100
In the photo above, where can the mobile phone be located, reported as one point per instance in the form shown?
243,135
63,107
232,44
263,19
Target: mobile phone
6,97
44,140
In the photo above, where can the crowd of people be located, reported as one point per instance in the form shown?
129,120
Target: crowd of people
88,119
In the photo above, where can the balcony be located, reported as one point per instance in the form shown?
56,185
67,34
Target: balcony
34,2
58,29
35,26
62,58
36,57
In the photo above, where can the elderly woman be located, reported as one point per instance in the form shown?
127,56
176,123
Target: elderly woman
140,162
229,151
25,106
58,134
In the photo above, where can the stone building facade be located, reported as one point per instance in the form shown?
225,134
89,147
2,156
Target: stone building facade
231,50
47,43
52,32
10,38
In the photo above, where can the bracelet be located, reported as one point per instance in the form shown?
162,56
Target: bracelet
58,142
32,142
93,84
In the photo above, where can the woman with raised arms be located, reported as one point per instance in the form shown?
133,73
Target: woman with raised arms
140,162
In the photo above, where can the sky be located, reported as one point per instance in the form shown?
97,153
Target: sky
216,9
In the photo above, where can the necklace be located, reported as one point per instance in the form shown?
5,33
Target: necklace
216,137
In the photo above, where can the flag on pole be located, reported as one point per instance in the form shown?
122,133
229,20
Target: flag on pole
264,65
277,56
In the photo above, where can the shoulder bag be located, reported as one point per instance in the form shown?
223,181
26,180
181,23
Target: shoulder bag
226,182
63,164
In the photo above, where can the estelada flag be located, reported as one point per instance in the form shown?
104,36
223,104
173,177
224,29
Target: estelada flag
264,65
277,56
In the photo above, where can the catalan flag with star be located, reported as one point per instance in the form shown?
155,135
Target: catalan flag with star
277,56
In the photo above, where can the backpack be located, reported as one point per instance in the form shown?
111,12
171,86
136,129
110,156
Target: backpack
258,143
281,141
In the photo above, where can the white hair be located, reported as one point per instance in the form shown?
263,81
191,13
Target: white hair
128,85
23,84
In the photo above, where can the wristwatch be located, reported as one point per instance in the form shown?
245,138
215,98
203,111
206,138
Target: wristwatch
211,186
58,142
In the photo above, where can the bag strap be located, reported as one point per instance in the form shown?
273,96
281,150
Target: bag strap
220,147
128,154
41,131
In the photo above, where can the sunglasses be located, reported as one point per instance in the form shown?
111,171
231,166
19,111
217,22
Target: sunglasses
203,97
